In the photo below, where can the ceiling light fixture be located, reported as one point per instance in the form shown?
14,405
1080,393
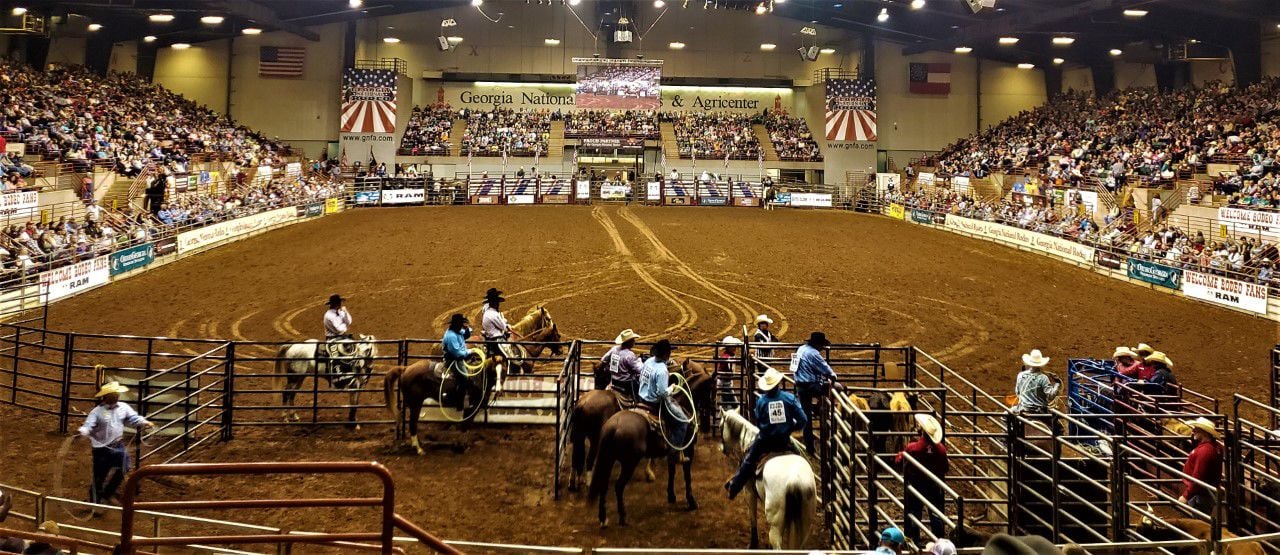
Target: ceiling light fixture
212,20
659,4
1063,41
355,3
1008,40
149,38
251,31
477,3
760,9
963,50
161,18
574,2
1135,13
391,40
551,42
95,26
454,40
1026,66
917,4
1058,61
1116,51
884,15
180,46
768,46
827,51
19,11
676,45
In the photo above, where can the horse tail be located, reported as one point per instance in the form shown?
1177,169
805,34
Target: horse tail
389,384
800,505
282,364
605,457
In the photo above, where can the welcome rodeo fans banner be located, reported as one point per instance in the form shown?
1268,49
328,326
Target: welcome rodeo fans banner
19,204
76,278
1225,291
1021,237
1240,220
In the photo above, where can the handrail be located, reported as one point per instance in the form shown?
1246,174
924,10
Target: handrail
423,537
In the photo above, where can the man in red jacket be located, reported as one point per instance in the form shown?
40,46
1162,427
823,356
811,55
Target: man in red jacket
930,451
1204,463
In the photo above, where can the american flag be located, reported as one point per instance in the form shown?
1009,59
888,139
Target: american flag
851,110
281,61
368,101
662,159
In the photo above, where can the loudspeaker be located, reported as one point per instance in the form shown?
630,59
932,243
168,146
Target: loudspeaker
977,5
809,54
444,43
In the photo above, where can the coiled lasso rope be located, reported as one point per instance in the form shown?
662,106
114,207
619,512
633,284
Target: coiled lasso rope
469,371
681,386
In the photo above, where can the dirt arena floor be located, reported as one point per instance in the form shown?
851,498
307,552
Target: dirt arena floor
690,274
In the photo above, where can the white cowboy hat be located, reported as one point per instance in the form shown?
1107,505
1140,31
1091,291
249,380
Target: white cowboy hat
1205,425
1161,358
930,426
625,336
730,340
1034,359
1124,352
110,388
769,380
1144,348
764,318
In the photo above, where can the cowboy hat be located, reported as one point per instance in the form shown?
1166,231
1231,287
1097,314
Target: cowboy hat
818,339
335,299
457,319
661,349
1144,348
763,318
1160,358
930,426
1205,425
625,336
493,294
110,388
49,527
769,380
1034,359
941,547
1124,352
730,340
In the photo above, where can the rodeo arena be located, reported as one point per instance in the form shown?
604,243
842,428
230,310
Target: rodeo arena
503,276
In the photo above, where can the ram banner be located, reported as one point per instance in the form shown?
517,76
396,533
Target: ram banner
1225,291
76,278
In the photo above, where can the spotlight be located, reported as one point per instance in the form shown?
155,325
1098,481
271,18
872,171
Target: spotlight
180,46
1008,40
917,4
659,4
676,45
355,3
963,50
477,3
768,46
1026,66
760,9
212,20
1135,13
149,38
454,40
161,18
95,26
551,42
574,2
884,15
1058,61
251,31
1116,51
391,40
827,51
19,11
1063,41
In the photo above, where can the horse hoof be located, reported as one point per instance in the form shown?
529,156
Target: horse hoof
671,499
604,524
693,505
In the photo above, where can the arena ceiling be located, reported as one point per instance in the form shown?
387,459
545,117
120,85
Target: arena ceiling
1097,26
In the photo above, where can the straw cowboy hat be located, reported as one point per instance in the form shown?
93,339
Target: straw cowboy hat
1124,352
1160,358
1034,359
730,340
1144,348
1205,425
625,336
930,426
769,380
110,388
763,318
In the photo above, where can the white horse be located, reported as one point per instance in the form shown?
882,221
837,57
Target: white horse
789,486
350,372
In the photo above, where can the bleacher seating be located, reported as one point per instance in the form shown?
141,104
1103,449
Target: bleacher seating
515,132
712,136
791,138
427,132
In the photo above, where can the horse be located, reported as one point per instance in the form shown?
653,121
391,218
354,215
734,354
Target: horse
890,413
626,439
535,326
595,407
295,361
1199,529
790,491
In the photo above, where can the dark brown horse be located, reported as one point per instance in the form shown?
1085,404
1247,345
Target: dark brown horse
626,439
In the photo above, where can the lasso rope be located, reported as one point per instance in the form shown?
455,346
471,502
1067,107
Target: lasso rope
478,369
681,386
64,453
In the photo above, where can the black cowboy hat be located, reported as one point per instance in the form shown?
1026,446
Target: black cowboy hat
818,339
335,299
662,348
493,294
457,319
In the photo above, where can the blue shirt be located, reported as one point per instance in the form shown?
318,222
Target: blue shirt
810,367
105,425
165,216
653,381
778,413
455,343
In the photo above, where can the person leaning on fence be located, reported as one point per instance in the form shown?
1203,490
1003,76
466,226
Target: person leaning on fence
1128,363
8,545
763,335
1162,381
454,346
931,453
105,429
726,366
624,366
778,414
814,378
1204,463
1034,388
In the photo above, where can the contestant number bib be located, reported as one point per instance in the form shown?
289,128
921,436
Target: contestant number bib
777,412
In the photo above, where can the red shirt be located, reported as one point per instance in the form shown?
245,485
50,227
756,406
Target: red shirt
929,455
1204,463
1146,372
1130,371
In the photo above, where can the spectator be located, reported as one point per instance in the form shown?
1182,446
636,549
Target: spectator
712,136
928,450
1204,463
1162,380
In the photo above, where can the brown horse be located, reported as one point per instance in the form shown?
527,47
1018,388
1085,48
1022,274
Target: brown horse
530,328
595,407
626,439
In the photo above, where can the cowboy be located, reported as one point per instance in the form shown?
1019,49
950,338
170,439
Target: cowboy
1204,463
778,414
891,540
105,429
763,335
336,320
727,359
1128,363
454,346
656,389
1035,389
931,453
1161,379
493,325
814,378
623,364
1145,351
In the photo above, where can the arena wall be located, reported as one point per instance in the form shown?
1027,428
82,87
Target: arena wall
66,50
1077,79
1204,71
1130,75
1271,56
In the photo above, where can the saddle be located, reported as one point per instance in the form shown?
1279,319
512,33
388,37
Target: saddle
654,421
624,401
758,472
339,355
341,347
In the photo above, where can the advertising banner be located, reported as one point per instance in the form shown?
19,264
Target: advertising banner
19,204
166,246
1021,237
960,183
886,182
368,197
653,190
520,199
332,206
1244,221
614,192
76,278
1225,291
713,201
404,196
314,209
219,232
820,200
921,216
582,190
1108,259
1155,274
132,258
926,178
896,211
782,198
620,143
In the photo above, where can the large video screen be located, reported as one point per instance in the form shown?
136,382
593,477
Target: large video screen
615,86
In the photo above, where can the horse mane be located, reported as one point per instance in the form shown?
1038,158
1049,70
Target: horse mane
533,320
739,427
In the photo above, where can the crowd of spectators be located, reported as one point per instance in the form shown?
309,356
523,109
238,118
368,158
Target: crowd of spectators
1131,135
713,135
611,123
791,138
515,132
1071,222
427,132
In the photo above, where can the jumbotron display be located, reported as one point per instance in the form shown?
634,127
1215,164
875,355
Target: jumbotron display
618,84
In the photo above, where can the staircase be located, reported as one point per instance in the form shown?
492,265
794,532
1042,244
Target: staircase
555,143
455,137
669,140
117,195
766,144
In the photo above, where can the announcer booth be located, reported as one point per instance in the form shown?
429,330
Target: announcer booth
679,193
485,190
523,190
554,190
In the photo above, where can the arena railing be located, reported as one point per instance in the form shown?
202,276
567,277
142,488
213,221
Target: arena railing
568,389
1255,500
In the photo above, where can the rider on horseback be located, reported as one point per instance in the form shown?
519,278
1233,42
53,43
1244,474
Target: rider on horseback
778,414
493,325
454,345
624,366
336,319
656,389
339,348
